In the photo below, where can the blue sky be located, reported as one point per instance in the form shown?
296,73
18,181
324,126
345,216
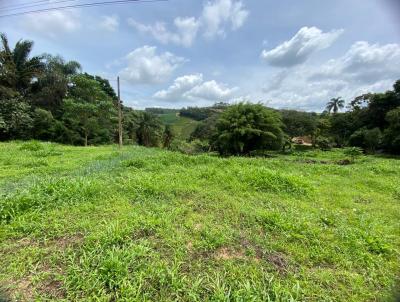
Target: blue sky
286,54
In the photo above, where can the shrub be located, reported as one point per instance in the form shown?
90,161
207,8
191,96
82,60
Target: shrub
32,146
194,147
353,152
323,143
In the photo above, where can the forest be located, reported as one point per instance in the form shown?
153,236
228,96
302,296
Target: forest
48,98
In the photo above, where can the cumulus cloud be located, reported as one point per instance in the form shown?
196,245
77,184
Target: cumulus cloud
363,68
300,47
193,87
214,20
184,34
53,23
146,66
364,63
218,14
109,23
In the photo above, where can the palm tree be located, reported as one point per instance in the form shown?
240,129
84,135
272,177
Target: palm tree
17,70
335,105
52,84
148,131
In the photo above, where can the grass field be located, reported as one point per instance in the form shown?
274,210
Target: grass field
137,224
182,126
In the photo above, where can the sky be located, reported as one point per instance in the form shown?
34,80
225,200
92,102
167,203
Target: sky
178,53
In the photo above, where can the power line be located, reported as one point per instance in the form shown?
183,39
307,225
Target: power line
22,4
32,4
80,5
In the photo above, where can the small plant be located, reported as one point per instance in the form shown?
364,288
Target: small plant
135,163
32,146
353,153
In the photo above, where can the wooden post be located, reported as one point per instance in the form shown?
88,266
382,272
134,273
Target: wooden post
119,116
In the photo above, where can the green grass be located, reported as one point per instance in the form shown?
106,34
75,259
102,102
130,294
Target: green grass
182,126
137,224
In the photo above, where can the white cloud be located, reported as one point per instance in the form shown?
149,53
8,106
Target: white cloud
193,87
216,15
211,90
300,47
364,63
213,21
186,31
52,24
145,66
363,68
110,23
180,86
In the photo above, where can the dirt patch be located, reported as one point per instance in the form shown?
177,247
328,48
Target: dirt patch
143,233
59,243
344,162
279,262
53,288
17,290
225,253
312,161
64,242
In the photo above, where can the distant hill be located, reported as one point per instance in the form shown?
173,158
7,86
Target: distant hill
182,126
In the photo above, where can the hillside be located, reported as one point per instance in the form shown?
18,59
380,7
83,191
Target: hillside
104,224
182,126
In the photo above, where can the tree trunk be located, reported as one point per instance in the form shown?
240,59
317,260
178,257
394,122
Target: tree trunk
86,139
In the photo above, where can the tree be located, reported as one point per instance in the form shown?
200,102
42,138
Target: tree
298,123
342,125
391,136
51,86
17,70
43,124
82,115
168,136
15,119
148,130
247,127
206,129
321,132
335,105
105,86
89,111
130,123
368,139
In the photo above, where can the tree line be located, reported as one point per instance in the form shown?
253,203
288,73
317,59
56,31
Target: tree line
47,98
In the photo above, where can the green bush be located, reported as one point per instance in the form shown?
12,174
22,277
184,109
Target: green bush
32,146
194,147
323,143
353,152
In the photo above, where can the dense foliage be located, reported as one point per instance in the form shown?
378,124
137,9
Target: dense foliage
48,98
246,127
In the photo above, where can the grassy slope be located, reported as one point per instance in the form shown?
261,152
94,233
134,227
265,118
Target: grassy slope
104,224
181,125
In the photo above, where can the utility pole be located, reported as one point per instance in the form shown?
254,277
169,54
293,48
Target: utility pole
119,116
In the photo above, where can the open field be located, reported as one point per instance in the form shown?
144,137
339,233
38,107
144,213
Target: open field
141,224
